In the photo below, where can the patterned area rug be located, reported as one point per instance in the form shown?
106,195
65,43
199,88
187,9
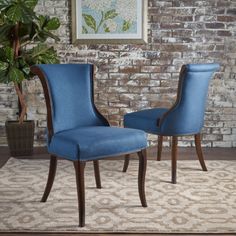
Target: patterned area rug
201,202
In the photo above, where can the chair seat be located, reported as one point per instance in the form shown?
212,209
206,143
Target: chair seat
146,120
96,142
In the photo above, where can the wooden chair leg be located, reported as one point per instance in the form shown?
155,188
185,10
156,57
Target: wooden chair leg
141,176
79,171
159,147
97,174
199,151
174,158
51,177
126,162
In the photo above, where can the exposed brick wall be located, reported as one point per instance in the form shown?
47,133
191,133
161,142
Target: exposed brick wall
134,77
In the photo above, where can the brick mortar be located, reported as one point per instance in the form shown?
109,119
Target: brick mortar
134,77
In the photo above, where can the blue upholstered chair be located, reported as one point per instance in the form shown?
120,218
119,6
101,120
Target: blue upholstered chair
185,117
78,132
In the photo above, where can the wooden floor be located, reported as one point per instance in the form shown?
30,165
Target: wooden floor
183,154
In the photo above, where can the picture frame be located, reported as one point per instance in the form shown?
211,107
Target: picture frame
109,22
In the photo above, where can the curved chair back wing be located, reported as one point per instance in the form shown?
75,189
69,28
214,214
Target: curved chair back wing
75,105
187,114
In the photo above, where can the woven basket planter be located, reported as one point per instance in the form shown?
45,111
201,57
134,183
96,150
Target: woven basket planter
20,137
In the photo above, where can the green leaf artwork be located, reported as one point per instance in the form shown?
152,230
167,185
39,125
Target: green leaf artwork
110,14
90,21
106,29
106,16
84,30
126,25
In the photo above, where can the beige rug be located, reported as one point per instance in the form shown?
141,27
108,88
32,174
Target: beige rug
201,202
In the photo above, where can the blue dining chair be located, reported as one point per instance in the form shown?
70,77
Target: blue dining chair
76,131
185,117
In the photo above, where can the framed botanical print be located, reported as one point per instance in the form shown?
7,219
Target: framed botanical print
109,21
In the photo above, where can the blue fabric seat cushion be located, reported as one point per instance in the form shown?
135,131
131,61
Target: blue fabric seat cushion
96,142
146,120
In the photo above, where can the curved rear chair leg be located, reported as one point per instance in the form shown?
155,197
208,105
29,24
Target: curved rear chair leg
141,176
51,177
174,158
159,147
79,172
126,163
199,151
97,174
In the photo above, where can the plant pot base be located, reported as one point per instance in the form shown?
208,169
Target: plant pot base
20,137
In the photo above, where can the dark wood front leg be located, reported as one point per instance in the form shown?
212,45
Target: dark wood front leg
51,177
79,171
174,158
126,162
199,151
97,174
159,147
141,176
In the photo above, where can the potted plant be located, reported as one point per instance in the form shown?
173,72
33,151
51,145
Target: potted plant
23,34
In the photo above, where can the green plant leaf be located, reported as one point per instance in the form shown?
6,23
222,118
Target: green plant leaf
50,57
53,24
27,15
41,54
110,14
42,20
14,13
126,25
3,66
26,69
5,31
43,35
19,13
2,20
3,78
2,55
39,49
7,55
23,66
41,29
90,21
31,3
4,4
15,75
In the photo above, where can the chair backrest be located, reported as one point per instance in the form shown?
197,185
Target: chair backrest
68,90
187,114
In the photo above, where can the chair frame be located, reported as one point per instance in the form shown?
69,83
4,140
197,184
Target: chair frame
174,149
174,142
79,166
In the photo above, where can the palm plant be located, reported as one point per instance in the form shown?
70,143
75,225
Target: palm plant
23,34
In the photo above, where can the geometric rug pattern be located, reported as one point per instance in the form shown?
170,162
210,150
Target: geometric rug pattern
200,202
